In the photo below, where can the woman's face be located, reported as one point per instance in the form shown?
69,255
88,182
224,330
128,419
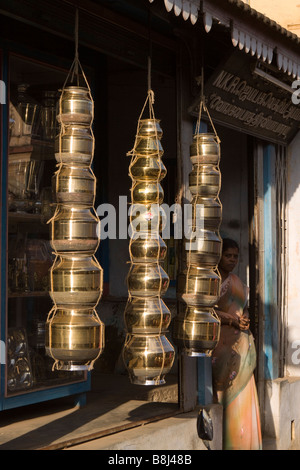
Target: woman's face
229,259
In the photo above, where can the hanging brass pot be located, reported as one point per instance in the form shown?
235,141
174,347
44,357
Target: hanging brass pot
146,316
147,280
205,181
147,248
149,146
75,106
197,286
205,149
150,128
74,185
209,210
74,338
147,218
204,250
75,145
146,192
76,281
147,169
74,229
196,331
148,358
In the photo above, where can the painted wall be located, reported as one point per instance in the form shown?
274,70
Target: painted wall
286,13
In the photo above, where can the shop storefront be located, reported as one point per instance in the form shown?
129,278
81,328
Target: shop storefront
247,73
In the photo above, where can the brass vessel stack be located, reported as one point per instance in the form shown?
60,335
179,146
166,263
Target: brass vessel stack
197,327
147,353
74,332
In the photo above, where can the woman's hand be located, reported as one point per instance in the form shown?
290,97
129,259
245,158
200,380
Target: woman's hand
244,322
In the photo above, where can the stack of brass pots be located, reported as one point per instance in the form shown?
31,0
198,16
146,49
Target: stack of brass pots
197,327
74,332
148,355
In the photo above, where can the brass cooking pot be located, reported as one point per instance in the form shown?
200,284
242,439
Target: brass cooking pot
74,337
205,149
76,281
205,181
148,249
146,192
209,213
74,146
147,218
146,316
74,185
150,128
147,280
147,169
75,106
197,286
148,358
74,229
196,331
149,146
204,250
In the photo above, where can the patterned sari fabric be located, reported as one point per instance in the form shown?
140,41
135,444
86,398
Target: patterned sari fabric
233,363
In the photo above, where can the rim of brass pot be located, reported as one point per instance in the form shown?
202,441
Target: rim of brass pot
147,315
149,127
148,358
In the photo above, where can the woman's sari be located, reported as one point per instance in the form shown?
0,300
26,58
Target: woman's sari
233,363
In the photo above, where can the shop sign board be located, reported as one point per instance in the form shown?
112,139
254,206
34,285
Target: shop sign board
237,98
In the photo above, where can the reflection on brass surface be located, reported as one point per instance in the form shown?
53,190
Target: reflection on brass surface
144,218
150,127
205,250
147,193
205,149
196,286
74,229
76,106
209,210
148,358
147,250
75,337
148,146
205,181
74,145
147,169
146,280
196,331
74,185
148,315
76,281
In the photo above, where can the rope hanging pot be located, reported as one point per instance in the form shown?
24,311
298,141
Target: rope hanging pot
74,332
147,353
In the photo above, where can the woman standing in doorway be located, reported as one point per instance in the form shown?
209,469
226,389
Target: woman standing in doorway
234,360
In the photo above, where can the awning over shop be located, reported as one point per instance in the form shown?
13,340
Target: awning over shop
249,36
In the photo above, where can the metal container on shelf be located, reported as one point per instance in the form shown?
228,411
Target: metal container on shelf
76,281
147,280
150,146
209,212
146,192
205,149
196,331
150,128
204,250
147,169
74,229
205,181
74,338
146,316
75,145
147,249
197,286
74,185
75,106
147,218
148,358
